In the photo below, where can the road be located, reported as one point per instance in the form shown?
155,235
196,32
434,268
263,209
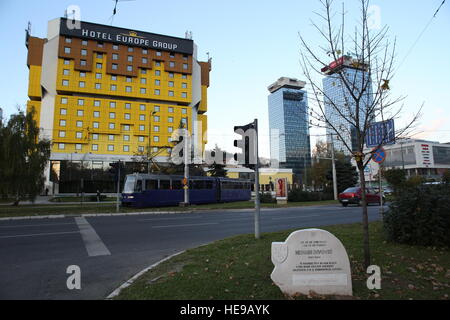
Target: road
35,254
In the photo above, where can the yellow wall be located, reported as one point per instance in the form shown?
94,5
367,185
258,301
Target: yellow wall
121,83
34,82
264,178
87,112
37,108
204,103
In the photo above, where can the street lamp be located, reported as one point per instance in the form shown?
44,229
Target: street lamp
149,141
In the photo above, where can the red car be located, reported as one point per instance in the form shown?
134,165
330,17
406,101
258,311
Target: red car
353,196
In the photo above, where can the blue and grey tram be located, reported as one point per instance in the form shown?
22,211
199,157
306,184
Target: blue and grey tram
150,190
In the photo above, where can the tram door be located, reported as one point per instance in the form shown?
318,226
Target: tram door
218,190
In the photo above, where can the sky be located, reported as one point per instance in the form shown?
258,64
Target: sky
252,43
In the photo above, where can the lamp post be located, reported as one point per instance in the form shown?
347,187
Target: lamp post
149,152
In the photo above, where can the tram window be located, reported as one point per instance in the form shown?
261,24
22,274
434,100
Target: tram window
176,185
209,184
151,184
138,186
164,184
199,184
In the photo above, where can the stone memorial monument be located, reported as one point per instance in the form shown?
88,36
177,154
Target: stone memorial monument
311,260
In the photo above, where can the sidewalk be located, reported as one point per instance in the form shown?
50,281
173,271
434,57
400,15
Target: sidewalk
46,200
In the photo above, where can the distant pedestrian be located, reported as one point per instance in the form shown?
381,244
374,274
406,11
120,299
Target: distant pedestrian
46,192
98,195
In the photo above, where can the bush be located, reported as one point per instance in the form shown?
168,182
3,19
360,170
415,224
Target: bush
94,198
298,195
420,216
266,198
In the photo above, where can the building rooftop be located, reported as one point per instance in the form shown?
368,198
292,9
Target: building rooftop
285,82
344,62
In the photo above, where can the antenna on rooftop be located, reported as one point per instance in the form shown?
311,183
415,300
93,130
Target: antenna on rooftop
188,35
115,8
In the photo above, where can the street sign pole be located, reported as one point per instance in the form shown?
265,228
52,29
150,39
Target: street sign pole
381,191
118,186
257,200
379,156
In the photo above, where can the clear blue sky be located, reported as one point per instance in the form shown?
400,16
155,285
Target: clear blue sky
252,43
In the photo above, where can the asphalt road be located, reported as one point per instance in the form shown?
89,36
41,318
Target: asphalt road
35,254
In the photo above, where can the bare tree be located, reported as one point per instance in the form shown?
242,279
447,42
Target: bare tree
365,92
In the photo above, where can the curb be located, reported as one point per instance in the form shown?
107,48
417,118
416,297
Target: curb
128,283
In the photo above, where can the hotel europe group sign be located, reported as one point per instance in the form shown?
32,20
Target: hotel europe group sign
98,32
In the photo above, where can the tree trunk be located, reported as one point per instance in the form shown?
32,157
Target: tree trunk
16,201
365,219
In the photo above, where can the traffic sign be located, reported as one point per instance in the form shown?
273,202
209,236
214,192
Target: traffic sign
184,181
381,133
379,155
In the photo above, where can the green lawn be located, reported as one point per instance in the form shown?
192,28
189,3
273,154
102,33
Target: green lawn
240,268
92,207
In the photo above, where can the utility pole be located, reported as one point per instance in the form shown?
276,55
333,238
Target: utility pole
118,186
333,161
403,160
187,152
257,200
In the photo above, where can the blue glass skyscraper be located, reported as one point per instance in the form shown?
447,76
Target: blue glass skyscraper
340,106
289,126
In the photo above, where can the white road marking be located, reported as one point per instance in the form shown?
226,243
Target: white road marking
38,234
185,225
37,225
168,219
295,217
94,245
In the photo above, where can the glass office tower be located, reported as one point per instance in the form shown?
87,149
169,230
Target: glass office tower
289,126
339,103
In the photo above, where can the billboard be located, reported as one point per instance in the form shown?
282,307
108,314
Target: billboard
281,188
98,32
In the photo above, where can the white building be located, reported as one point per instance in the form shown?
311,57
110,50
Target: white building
418,157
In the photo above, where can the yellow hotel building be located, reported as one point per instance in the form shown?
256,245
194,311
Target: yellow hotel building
103,94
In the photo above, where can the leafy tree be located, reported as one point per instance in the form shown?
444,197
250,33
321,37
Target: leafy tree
346,175
446,177
217,169
395,178
23,159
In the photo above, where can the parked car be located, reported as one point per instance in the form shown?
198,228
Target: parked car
353,196
388,191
